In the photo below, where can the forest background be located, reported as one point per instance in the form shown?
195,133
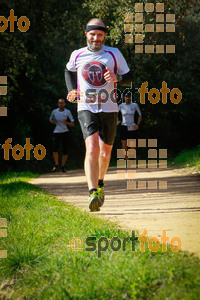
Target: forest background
34,64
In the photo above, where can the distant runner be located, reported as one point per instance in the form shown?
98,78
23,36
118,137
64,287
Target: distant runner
60,116
128,128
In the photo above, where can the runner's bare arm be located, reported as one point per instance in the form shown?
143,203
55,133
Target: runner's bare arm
70,124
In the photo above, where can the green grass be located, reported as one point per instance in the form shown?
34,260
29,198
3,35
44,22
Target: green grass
40,265
189,158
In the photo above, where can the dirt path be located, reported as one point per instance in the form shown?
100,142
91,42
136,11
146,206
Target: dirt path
175,209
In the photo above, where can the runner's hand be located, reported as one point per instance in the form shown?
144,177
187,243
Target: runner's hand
109,76
73,95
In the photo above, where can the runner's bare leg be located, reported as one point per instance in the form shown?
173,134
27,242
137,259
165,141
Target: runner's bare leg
64,160
96,160
124,144
104,158
55,157
92,160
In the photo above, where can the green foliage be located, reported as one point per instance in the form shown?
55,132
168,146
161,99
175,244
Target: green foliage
189,158
173,125
34,63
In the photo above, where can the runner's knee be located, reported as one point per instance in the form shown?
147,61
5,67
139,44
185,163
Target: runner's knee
105,153
92,150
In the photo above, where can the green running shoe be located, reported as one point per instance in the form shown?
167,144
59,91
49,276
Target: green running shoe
100,192
55,168
94,202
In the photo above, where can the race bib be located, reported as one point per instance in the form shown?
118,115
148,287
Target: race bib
130,128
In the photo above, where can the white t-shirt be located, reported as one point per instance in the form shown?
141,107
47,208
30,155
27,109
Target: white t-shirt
128,113
97,95
60,116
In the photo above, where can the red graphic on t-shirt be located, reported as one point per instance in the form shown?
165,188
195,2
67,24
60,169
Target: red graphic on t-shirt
93,73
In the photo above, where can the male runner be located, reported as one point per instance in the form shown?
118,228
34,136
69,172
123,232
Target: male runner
97,68
60,116
128,128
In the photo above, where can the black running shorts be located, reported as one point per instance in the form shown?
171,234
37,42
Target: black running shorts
105,123
125,134
62,138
